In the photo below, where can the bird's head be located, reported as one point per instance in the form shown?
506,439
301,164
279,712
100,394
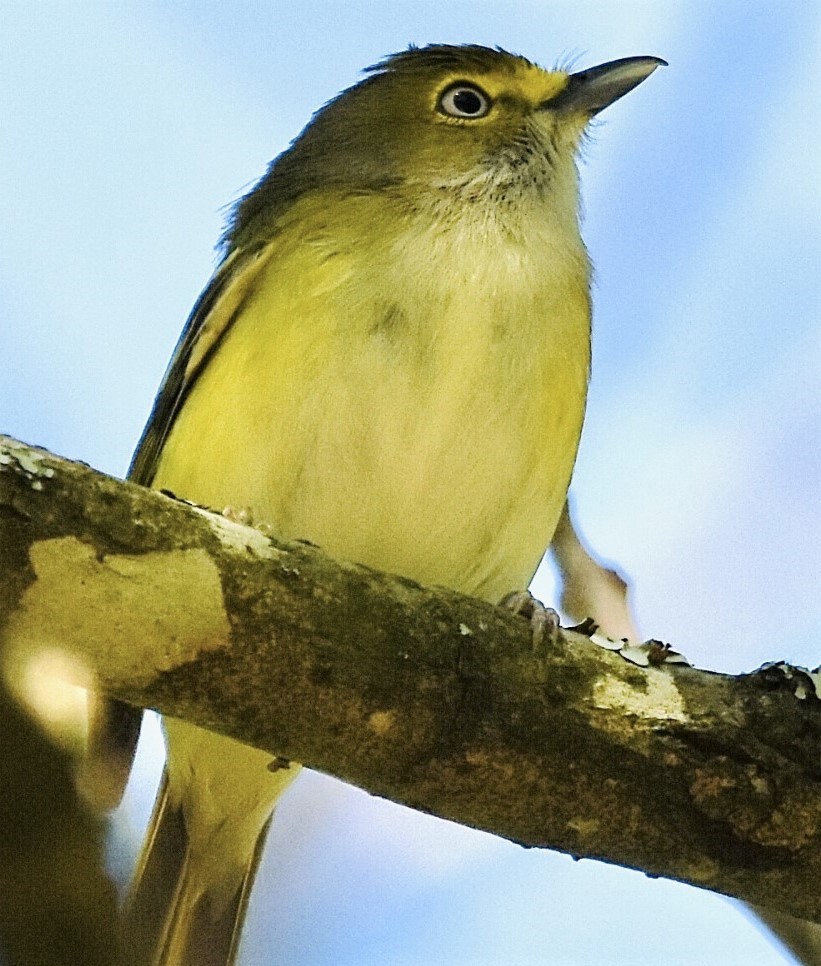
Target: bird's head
443,121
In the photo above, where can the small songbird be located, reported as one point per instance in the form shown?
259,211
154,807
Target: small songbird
391,360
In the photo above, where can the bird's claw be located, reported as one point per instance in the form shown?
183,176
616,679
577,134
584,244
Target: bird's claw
240,514
544,621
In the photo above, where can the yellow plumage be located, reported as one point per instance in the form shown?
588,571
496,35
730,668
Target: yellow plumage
410,398
392,362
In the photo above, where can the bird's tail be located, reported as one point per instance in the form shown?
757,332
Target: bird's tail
202,848
170,920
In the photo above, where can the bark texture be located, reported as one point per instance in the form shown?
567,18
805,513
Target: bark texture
419,695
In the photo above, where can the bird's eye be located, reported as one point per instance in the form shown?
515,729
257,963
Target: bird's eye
464,100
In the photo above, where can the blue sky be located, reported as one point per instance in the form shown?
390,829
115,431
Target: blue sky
127,128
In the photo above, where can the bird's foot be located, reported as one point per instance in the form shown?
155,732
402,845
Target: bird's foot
544,621
241,514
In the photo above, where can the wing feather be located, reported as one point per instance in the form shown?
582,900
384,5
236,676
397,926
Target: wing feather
210,319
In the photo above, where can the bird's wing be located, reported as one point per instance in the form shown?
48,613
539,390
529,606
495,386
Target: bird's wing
210,319
114,727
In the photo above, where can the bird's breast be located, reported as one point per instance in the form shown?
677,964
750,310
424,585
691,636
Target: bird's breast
415,407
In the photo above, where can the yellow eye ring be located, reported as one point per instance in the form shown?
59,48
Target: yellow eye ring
465,101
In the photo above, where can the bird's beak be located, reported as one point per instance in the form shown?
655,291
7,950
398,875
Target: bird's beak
592,90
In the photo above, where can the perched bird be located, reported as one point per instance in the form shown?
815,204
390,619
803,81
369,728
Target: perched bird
391,360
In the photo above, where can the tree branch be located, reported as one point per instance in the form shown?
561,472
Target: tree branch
419,695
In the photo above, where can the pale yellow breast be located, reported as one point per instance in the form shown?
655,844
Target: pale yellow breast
412,402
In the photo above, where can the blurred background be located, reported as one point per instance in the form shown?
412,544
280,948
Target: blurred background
125,131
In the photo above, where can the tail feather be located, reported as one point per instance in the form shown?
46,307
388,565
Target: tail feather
157,878
170,920
803,939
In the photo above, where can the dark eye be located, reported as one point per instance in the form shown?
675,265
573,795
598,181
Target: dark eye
464,100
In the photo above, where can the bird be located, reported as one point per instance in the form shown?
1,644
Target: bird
390,360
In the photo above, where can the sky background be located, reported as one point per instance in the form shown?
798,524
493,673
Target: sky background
126,128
